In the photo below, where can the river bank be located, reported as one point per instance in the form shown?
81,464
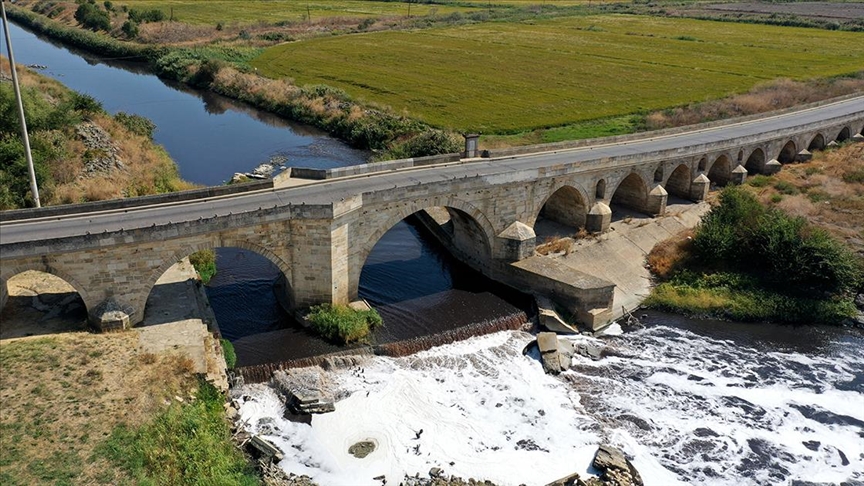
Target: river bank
784,248
80,152
70,399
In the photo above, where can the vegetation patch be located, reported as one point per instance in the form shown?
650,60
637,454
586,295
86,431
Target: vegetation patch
62,161
204,262
228,353
752,262
188,443
61,397
559,71
342,324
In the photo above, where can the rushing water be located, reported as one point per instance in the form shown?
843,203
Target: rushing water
691,403
209,136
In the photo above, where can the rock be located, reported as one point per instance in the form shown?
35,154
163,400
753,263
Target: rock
264,450
362,449
548,344
859,301
102,155
571,480
436,472
588,350
615,467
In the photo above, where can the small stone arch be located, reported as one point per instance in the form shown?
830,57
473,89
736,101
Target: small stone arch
44,267
740,156
565,205
755,161
703,164
658,174
788,153
843,135
816,143
678,183
631,192
721,170
600,190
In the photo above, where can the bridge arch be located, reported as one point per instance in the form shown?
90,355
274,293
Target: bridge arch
788,153
678,183
816,143
566,204
755,161
703,164
600,190
467,221
211,244
631,192
720,172
844,134
47,268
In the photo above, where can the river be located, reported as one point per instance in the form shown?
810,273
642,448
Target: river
692,402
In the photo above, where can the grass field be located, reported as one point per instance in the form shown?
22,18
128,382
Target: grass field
246,12
512,77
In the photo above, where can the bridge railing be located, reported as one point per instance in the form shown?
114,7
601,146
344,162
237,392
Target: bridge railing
52,211
571,144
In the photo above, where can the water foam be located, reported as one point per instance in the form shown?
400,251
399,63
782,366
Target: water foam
686,408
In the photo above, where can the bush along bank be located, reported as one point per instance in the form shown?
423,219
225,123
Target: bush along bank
749,262
224,70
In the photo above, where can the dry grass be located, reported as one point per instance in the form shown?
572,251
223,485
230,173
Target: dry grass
668,255
774,95
555,245
60,396
829,192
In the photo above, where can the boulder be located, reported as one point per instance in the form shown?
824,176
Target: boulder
615,467
264,450
565,353
589,350
548,344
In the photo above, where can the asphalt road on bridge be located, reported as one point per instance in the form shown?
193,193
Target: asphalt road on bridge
325,192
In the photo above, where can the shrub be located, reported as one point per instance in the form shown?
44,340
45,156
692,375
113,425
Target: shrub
130,29
781,250
206,73
228,353
136,124
91,17
143,16
342,324
204,262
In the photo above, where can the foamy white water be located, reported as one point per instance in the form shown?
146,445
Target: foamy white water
686,408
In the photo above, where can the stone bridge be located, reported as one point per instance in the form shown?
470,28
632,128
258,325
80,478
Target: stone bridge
320,233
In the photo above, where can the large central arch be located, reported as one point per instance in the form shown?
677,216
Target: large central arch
467,226
721,171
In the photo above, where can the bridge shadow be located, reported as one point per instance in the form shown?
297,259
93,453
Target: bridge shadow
172,301
42,314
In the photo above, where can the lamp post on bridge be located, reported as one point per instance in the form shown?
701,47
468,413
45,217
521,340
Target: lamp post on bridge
34,189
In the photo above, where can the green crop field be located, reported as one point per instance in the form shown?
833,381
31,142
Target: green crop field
507,77
210,12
